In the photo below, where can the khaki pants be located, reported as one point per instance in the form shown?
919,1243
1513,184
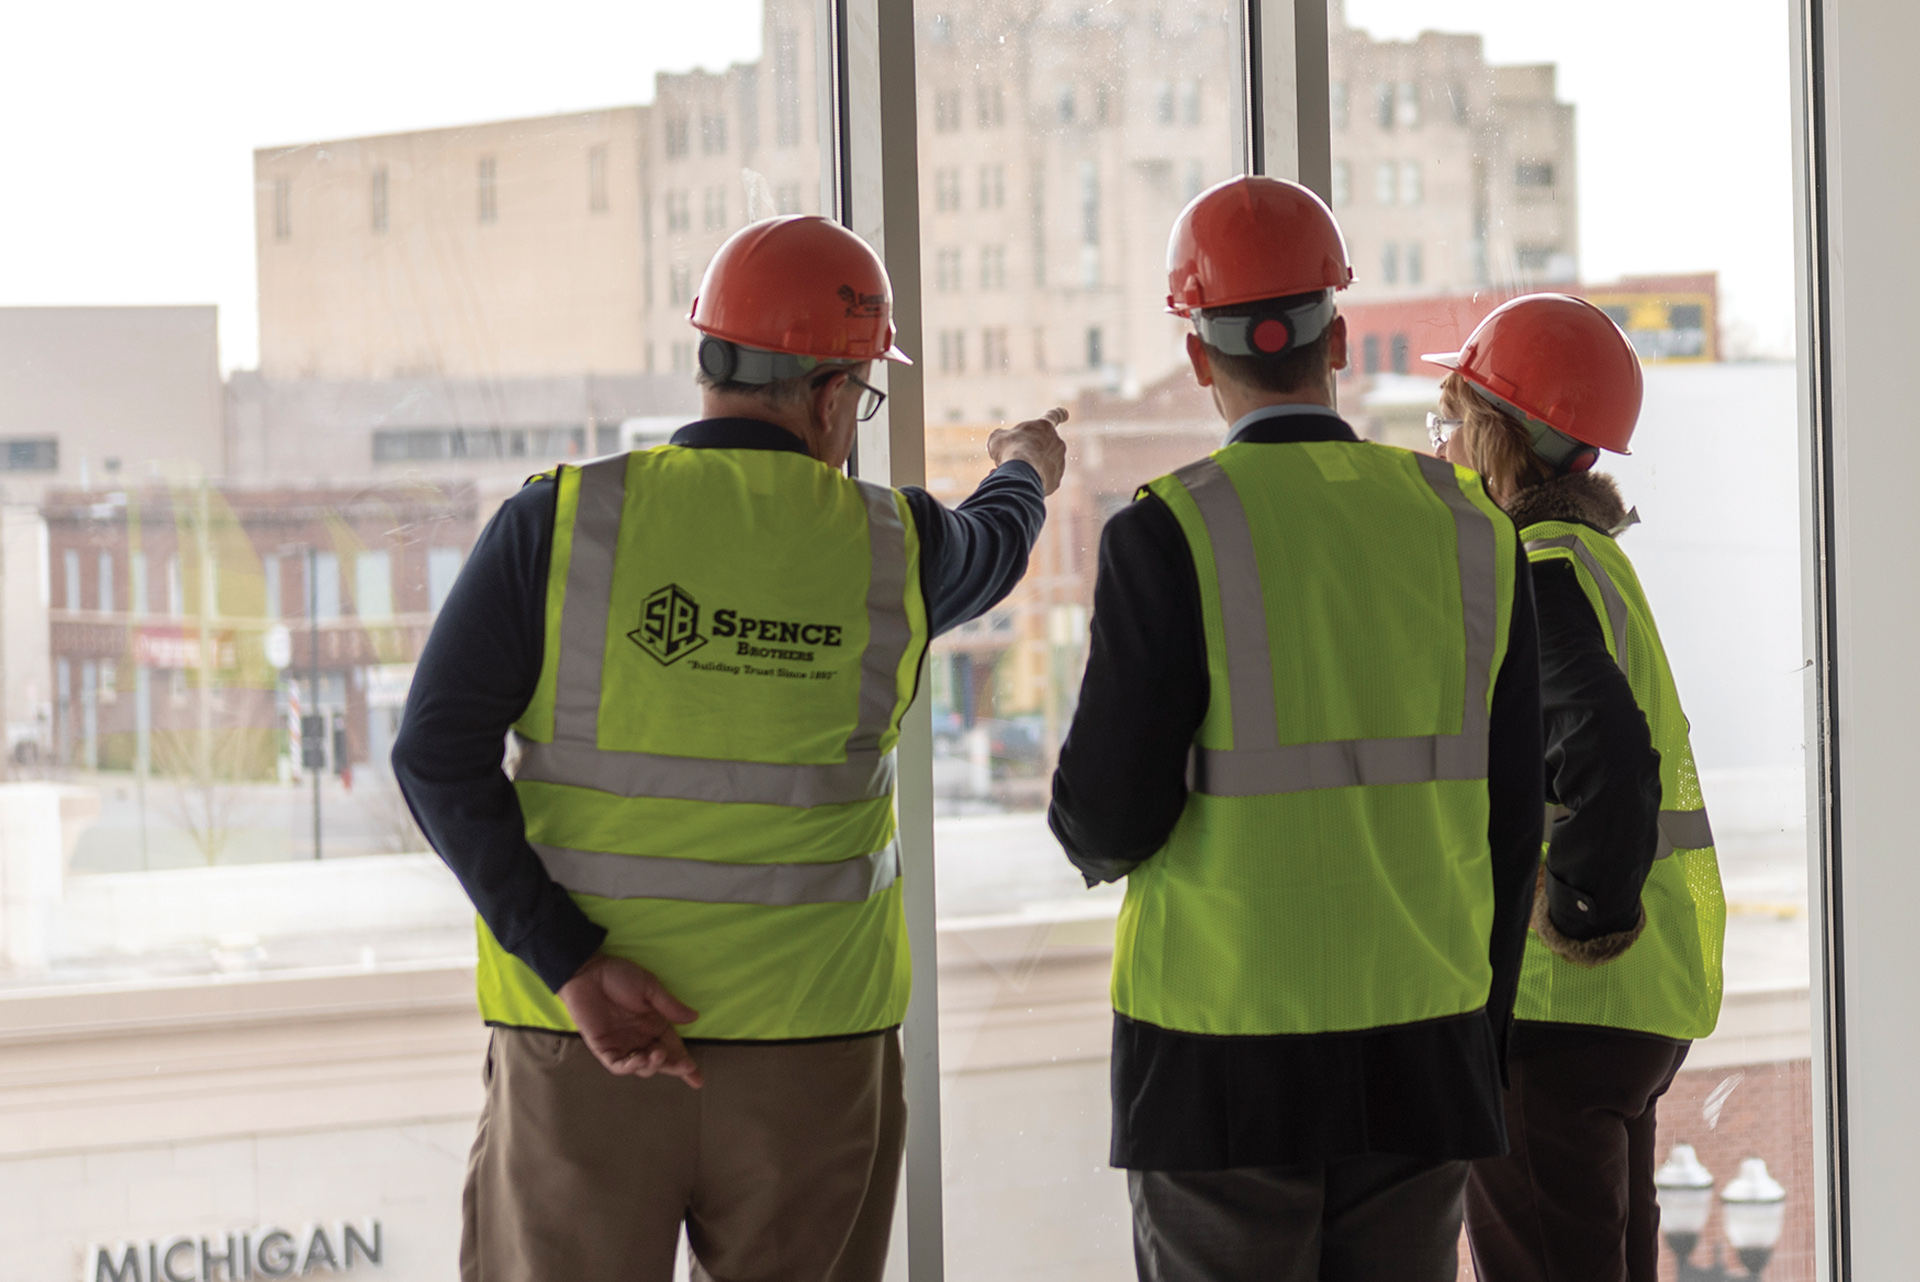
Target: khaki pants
783,1167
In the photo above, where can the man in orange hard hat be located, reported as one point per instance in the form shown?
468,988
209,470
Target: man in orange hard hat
1327,813
692,948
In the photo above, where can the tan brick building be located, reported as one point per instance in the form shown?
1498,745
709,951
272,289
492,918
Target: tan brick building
1057,146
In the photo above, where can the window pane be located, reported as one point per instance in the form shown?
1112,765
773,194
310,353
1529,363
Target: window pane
435,256
1525,165
1114,119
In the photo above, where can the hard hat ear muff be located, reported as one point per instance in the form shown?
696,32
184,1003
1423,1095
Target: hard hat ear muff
718,358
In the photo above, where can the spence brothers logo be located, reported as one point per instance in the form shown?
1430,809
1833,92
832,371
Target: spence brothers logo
669,625
863,306
670,631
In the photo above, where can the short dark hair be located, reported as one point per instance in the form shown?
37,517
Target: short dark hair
780,393
1284,373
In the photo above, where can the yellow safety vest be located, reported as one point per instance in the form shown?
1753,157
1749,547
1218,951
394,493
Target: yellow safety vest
732,638
1331,869
1669,981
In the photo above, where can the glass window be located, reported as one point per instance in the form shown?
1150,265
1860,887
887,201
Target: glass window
1024,948
1386,182
1519,181
1337,103
425,284
1342,184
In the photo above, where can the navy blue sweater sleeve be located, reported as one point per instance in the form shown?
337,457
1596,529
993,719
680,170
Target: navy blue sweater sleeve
971,556
479,668
476,675
1601,765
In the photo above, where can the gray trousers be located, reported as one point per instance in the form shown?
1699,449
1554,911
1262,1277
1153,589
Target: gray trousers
1357,1219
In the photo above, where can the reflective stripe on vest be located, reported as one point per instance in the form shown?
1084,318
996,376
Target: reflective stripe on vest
615,876
1259,764
1679,829
575,757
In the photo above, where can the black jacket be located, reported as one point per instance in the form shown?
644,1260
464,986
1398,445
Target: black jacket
1183,1102
478,671
1602,767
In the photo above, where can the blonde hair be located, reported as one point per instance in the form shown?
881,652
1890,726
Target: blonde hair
1492,442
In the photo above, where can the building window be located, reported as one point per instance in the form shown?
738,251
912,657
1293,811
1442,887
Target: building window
30,454
443,567
377,198
1196,178
1163,102
1457,99
326,581
946,110
677,135
137,602
993,186
1342,183
946,270
1397,353
1384,94
786,198
1416,264
1534,258
1390,263
786,88
993,267
994,357
946,190
1412,191
1190,103
679,285
991,105
713,208
489,190
679,212
1337,104
373,585
176,591
1370,354
1102,104
713,135
683,358
940,30
283,209
953,351
1096,348
597,179
70,565
270,568
103,585
1063,104
1533,173
1386,182
1409,104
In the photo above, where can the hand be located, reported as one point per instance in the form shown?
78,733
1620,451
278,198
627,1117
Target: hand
1035,443
626,1017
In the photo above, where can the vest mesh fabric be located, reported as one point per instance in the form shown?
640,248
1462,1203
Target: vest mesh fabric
1669,982
1355,891
733,637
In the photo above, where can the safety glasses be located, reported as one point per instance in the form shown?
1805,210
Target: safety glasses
1440,430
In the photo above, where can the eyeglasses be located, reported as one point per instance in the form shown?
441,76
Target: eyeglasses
1440,430
871,398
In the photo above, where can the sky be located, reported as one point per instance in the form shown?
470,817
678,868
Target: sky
127,130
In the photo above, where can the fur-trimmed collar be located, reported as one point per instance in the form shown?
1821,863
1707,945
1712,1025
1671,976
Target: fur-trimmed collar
1589,498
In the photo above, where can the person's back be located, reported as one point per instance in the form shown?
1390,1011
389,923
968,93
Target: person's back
1308,736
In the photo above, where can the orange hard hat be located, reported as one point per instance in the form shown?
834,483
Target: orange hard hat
1249,239
802,286
1559,361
